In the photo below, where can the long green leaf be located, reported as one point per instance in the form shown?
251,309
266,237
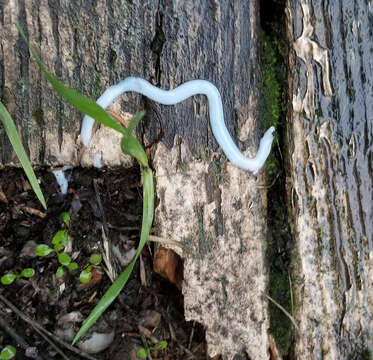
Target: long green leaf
14,139
81,102
117,286
129,145
135,120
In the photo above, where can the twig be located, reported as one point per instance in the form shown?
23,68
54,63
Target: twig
191,335
33,324
291,294
271,184
17,338
37,326
109,269
123,228
99,202
145,343
50,342
284,310
164,241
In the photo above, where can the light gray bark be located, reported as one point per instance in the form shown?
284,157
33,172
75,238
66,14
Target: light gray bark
330,176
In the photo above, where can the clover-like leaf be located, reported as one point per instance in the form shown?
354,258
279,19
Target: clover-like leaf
58,247
65,217
142,354
7,279
8,352
28,273
161,345
85,276
61,238
59,272
43,250
73,266
64,259
95,259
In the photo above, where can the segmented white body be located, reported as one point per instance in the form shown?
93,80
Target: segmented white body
177,95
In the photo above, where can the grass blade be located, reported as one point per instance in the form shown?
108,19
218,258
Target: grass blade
117,286
129,145
134,121
15,140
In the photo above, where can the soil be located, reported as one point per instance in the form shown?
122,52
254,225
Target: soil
101,205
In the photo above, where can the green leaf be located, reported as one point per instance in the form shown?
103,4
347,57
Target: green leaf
134,121
43,250
160,346
64,259
8,352
85,276
132,147
28,273
142,354
117,286
81,102
15,140
58,247
59,272
73,266
65,216
7,279
95,259
61,238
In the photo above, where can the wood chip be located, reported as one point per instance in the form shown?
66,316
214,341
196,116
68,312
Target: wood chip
142,272
169,265
148,334
3,198
33,211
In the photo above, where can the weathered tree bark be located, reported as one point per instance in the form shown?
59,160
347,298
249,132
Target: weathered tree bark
330,177
214,210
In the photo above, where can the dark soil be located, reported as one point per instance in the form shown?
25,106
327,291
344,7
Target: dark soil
97,201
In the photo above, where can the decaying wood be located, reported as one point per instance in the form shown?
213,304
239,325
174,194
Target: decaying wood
169,265
214,209
330,179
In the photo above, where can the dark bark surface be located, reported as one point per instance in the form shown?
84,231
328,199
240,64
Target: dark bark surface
330,176
93,44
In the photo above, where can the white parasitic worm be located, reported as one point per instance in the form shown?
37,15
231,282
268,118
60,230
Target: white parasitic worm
177,95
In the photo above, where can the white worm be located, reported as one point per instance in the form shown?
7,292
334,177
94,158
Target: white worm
177,95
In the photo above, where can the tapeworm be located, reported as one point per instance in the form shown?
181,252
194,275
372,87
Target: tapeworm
177,95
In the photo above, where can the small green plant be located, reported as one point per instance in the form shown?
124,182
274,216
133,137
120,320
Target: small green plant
130,146
59,241
9,352
143,353
7,279
86,274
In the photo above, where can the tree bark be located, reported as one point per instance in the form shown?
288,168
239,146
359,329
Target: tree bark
330,135
215,211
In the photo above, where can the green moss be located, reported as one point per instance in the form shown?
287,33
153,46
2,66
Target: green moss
96,84
272,112
38,115
271,82
280,324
